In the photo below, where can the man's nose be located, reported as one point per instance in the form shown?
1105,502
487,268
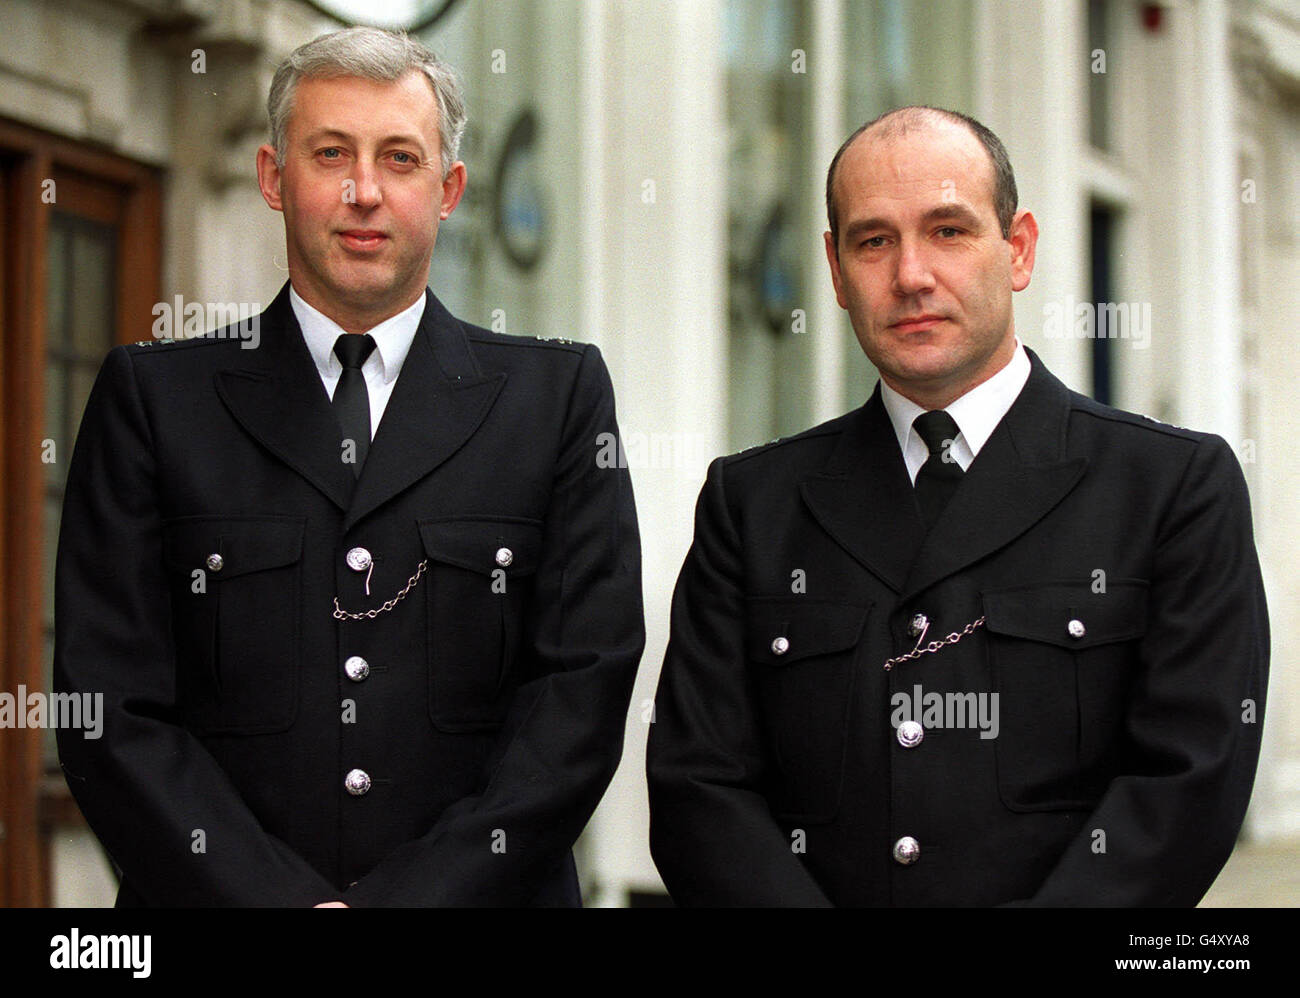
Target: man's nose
367,191
912,273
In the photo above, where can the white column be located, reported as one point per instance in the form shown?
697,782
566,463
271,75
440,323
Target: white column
826,323
1030,89
652,161
1211,364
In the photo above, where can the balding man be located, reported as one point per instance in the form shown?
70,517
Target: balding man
983,640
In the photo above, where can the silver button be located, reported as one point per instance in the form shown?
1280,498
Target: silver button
357,782
504,556
358,559
1076,629
917,625
780,646
357,668
907,850
214,562
910,734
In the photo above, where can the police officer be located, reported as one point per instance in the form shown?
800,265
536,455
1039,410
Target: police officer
365,611
982,641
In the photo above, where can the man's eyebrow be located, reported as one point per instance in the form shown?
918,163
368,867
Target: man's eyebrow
861,225
955,212
335,134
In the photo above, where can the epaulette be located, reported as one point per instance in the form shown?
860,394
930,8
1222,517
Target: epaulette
1159,422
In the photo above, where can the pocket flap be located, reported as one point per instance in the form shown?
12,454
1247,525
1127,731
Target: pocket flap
782,631
242,544
484,544
1069,614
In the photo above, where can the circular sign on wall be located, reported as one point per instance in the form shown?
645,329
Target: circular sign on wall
775,273
519,206
397,15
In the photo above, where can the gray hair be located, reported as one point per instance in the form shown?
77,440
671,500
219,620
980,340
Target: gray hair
371,54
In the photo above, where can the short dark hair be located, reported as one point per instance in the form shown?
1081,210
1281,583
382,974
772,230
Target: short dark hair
904,119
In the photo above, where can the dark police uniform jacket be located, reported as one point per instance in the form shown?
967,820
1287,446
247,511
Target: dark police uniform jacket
1110,562
257,749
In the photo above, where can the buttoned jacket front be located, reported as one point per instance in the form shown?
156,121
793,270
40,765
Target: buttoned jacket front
430,721
1088,690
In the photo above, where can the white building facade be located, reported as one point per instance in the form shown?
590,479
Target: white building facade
647,175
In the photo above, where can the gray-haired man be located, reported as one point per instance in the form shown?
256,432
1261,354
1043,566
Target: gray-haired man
365,611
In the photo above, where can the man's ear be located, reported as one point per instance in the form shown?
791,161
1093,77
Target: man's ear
833,259
453,188
1024,240
268,177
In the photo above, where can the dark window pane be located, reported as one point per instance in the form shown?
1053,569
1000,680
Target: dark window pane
79,332
1102,240
49,744
81,380
56,296
1099,53
56,425
92,287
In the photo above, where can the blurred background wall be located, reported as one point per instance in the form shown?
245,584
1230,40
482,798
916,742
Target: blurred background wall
647,175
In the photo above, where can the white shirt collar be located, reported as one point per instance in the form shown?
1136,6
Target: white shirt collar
392,337
977,413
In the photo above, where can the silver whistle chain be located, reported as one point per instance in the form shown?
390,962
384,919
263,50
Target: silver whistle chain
933,646
341,614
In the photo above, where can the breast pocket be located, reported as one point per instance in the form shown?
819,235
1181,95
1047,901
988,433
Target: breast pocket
480,579
236,591
802,653
1063,659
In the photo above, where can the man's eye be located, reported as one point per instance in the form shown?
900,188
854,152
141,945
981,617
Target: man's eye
950,232
874,242
330,153
404,158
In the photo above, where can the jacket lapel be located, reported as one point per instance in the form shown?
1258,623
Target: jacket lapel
1019,475
439,400
277,396
863,497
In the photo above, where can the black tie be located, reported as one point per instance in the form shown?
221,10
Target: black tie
351,401
941,474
